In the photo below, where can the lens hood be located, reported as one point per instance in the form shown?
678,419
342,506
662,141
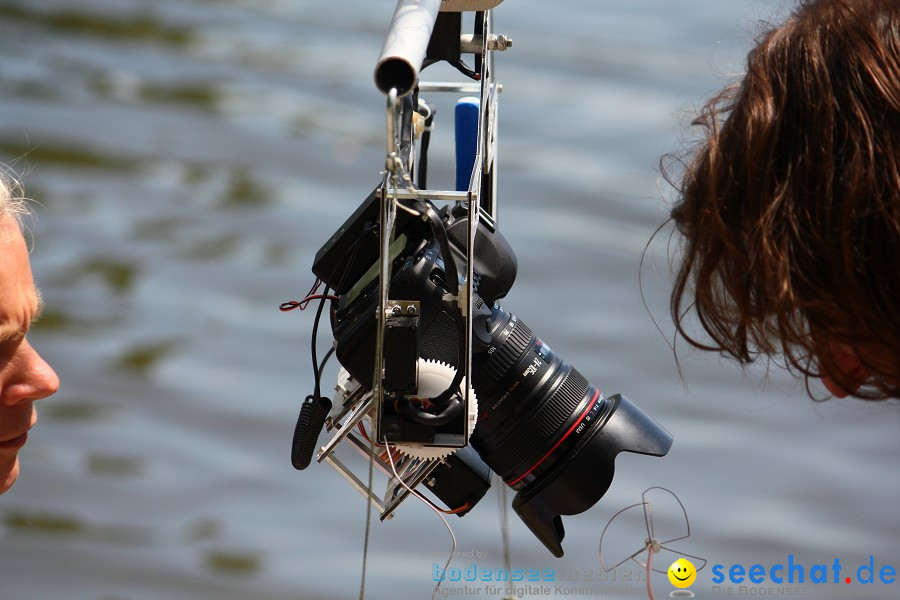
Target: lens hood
589,472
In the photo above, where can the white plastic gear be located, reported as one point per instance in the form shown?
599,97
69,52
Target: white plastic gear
435,377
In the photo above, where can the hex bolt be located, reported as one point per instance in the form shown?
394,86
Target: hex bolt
499,42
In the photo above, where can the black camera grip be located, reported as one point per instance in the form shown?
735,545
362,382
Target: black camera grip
306,433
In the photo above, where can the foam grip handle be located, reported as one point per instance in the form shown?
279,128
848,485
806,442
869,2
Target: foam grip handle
306,434
466,126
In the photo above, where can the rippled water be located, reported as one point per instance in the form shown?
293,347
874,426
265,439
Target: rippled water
191,156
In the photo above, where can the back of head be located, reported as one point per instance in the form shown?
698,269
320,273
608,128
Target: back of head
790,208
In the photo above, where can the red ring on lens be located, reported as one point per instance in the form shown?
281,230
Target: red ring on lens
560,441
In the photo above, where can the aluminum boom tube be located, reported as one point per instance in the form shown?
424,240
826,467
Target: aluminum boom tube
405,45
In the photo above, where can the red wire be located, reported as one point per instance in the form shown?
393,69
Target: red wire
465,506
362,430
302,304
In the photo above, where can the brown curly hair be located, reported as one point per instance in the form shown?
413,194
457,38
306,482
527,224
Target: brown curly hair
789,211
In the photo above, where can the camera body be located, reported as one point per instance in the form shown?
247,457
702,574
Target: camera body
541,426
431,331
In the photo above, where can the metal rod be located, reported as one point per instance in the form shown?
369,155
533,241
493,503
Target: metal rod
419,473
468,5
367,453
386,232
487,126
470,43
388,213
405,45
449,86
358,485
441,195
390,129
473,201
356,415
350,406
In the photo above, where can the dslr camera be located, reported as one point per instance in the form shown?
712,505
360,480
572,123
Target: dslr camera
540,425
439,384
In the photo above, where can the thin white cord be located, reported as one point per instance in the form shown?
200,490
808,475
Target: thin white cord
435,509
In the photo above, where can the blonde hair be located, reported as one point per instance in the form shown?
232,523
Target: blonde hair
12,201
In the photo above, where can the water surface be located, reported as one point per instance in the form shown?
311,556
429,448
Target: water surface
190,157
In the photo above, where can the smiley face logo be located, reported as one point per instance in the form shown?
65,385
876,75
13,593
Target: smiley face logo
682,573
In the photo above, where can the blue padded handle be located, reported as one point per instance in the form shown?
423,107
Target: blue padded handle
466,121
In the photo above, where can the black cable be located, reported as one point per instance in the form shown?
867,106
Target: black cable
328,355
315,362
440,235
443,400
478,29
463,68
434,420
315,408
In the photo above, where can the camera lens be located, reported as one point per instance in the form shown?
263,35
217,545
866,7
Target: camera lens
547,432
533,407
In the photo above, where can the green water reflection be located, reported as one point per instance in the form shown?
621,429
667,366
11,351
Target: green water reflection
142,358
144,28
22,522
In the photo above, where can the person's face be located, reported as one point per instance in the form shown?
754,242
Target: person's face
850,362
24,376
847,362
